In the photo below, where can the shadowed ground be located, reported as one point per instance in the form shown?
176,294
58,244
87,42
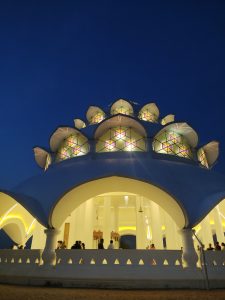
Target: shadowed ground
41,293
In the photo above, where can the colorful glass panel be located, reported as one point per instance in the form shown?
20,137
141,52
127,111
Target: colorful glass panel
74,145
120,139
172,143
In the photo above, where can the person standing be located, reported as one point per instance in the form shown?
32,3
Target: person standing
101,244
111,246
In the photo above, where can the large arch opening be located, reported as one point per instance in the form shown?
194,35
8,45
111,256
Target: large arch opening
211,228
116,206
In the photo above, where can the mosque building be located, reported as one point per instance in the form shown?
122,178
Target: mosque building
122,173
126,174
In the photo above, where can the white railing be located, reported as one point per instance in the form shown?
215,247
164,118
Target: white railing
214,259
156,258
17,256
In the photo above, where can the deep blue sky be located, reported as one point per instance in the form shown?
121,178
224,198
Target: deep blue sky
59,57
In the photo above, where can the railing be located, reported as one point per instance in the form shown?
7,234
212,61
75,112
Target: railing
151,258
156,258
24,256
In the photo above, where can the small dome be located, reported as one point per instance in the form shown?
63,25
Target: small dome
59,135
95,115
149,112
79,124
121,107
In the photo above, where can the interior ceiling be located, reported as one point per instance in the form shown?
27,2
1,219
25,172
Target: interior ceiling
121,200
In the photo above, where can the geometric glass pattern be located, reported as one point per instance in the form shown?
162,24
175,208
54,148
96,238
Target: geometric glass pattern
169,142
147,115
122,110
97,118
202,158
74,145
121,138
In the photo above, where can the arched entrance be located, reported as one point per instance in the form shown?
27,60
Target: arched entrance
114,204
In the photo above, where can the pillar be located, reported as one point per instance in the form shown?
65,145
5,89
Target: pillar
189,255
140,225
107,221
89,224
49,255
156,225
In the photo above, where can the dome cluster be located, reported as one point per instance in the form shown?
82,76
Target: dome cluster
126,128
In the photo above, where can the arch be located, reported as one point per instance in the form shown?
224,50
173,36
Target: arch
15,229
119,120
79,194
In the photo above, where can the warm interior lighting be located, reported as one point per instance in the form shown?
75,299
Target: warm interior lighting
211,222
110,145
123,228
163,227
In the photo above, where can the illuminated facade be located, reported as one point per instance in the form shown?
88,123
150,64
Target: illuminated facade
123,172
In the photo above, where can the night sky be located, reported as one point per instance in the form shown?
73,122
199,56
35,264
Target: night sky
59,57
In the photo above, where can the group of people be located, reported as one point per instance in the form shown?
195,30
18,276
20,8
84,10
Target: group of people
78,245
101,244
217,247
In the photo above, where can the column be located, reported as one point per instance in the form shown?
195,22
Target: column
89,224
156,225
107,221
49,255
189,255
116,223
140,224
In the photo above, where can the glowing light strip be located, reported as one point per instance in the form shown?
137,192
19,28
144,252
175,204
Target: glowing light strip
6,214
29,229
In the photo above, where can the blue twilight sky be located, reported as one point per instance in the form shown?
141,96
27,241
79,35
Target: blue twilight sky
59,57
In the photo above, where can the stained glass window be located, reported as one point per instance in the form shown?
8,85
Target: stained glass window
202,157
120,139
172,143
97,118
74,145
146,115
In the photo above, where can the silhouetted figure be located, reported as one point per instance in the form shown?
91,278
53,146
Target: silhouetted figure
83,246
223,246
111,246
210,247
101,244
217,246
76,245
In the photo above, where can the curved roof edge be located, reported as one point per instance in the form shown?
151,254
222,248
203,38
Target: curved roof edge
185,130
30,204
